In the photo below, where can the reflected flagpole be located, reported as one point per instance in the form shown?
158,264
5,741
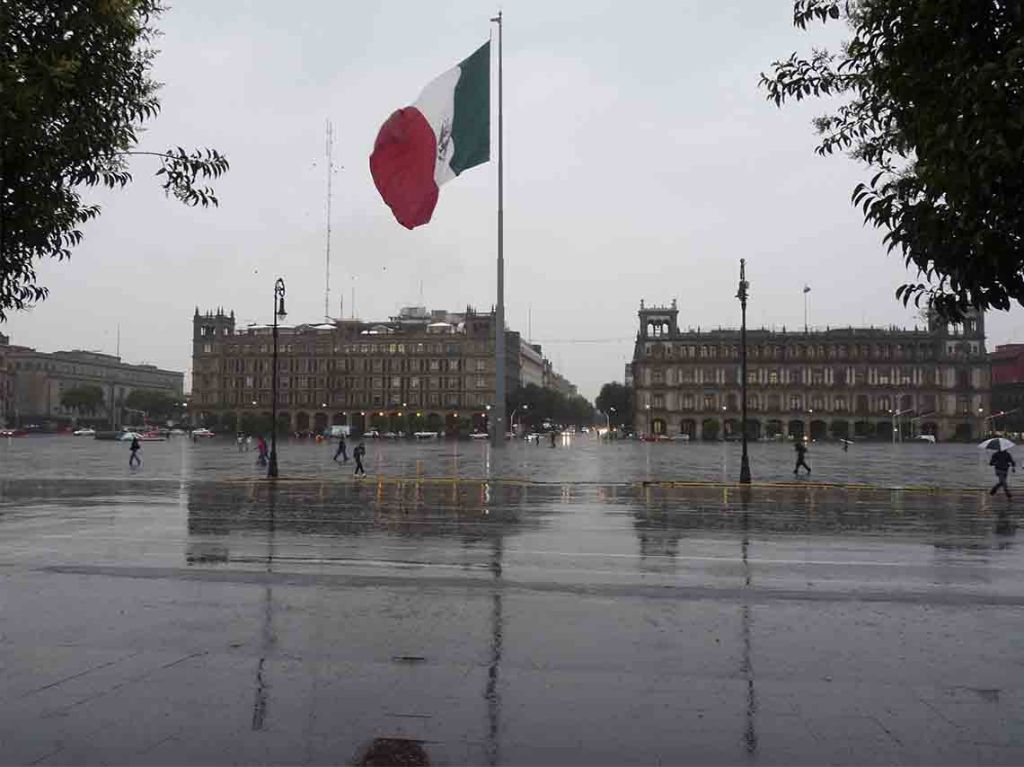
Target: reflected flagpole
498,427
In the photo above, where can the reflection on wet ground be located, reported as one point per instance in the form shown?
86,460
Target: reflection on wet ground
423,620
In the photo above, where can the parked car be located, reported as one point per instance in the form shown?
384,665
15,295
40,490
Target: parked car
202,433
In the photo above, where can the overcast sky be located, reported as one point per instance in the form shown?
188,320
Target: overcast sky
642,162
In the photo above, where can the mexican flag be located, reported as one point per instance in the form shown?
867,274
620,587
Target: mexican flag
422,146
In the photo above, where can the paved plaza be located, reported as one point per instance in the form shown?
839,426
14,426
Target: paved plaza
595,603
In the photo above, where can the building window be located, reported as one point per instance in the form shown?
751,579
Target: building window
659,401
796,403
687,402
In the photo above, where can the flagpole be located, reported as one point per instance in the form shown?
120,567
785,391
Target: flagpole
498,427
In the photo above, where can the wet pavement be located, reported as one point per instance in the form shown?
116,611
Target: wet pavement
580,458
592,604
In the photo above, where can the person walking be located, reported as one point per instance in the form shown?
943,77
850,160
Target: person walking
1001,461
341,449
261,448
358,454
134,459
801,452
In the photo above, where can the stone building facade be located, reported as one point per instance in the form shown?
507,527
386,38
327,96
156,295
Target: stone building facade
36,380
833,383
1007,388
419,370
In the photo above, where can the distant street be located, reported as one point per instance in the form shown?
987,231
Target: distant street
589,604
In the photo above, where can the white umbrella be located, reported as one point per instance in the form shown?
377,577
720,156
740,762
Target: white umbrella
926,437
996,443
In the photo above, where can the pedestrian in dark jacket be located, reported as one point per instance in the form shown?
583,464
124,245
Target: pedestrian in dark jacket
1001,461
358,454
136,461
801,451
341,449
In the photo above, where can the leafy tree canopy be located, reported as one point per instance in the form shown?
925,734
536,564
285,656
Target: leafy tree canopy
932,101
82,399
155,404
616,400
75,89
535,404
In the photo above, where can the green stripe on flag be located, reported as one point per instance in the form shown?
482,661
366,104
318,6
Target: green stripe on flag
471,123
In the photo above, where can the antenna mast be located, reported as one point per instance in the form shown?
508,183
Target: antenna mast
328,151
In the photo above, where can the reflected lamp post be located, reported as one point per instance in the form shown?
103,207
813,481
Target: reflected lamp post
279,312
742,296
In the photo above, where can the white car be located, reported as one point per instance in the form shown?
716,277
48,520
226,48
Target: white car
84,432
203,433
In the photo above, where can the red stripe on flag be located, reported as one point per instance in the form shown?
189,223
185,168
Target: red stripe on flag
402,166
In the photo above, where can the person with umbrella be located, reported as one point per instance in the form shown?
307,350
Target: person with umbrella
1001,461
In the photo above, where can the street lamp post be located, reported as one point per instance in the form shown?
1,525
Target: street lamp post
512,418
650,427
741,294
608,420
278,312
896,424
1000,414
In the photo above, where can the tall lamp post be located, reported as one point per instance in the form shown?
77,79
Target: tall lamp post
512,418
278,312
742,296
